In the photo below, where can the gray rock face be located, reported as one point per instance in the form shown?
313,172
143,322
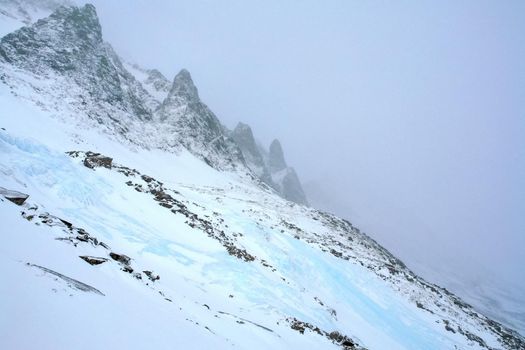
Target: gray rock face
14,196
243,136
69,43
292,189
276,160
270,167
152,80
196,126
157,84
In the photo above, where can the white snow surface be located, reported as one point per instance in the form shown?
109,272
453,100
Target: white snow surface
237,263
215,300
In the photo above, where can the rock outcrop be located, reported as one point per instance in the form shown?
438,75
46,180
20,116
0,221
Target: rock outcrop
69,43
195,126
270,167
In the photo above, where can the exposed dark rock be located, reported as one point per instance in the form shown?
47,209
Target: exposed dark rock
16,197
67,223
152,276
196,126
336,337
239,253
69,43
127,269
341,339
93,260
94,160
121,258
276,160
243,137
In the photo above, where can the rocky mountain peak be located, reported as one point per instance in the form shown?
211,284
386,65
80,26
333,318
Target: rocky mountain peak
69,43
81,22
66,37
183,87
276,160
243,135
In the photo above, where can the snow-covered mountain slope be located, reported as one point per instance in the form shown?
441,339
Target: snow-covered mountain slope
152,80
230,256
130,240
18,13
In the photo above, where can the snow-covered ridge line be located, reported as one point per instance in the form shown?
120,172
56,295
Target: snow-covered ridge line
123,97
231,253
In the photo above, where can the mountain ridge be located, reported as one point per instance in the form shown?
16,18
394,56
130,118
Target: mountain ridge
263,239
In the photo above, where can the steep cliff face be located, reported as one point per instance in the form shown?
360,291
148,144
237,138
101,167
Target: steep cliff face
284,177
69,43
155,83
195,126
276,160
243,137
68,57
270,166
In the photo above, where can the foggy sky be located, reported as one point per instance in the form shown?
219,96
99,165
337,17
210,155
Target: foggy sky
410,114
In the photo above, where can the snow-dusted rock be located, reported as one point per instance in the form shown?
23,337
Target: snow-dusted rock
241,267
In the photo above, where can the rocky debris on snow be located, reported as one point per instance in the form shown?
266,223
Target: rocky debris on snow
14,196
162,195
121,258
71,282
76,235
93,160
239,253
93,260
151,275
336,337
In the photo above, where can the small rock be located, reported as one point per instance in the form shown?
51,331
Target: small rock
14,196
67,223
127,269
121,258
94,160
93,260
152,276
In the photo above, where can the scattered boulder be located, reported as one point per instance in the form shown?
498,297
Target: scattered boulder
93,260
152,276
341,339
14,196
127,269
67,223
94,160
121,258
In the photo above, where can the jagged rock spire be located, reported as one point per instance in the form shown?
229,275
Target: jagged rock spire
183,87
63,41
276,160
243,136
